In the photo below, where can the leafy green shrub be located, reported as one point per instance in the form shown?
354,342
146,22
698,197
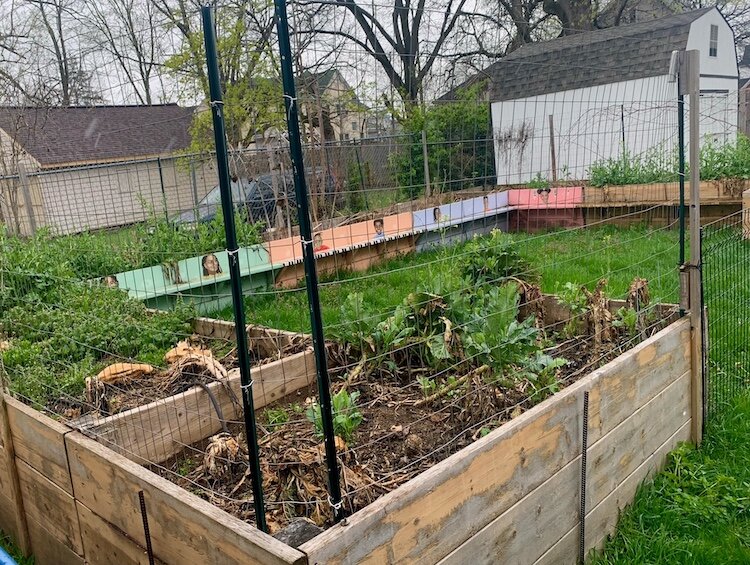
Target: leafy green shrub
472,327
493,259
572,297
55,346
540,370
717,161
651,166
539,182
626,318
346,416
725,160
459,141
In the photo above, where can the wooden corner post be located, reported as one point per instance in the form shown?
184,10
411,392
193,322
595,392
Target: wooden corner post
12,491
689,83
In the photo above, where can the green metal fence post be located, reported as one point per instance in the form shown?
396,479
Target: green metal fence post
222,162
308,254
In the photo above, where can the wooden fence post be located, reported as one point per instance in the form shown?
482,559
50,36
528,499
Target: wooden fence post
690,84
8,460
746,214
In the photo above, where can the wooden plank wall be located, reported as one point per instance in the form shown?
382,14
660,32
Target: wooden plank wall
80,504
45,485
12,514
512,496
184,528
154,432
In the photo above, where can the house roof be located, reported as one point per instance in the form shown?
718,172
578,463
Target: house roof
63,136
318,83
587,59
323,79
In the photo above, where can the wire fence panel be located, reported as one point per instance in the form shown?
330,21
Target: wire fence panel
482,240
726,288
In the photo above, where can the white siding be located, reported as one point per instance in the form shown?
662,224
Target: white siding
588,127
106,196
725,63
719,76
589,123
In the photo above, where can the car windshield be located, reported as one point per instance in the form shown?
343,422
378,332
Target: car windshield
214,197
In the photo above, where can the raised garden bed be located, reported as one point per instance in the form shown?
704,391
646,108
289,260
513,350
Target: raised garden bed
153,424
512,494
406,428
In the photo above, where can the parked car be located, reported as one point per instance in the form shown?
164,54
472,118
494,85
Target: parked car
253,197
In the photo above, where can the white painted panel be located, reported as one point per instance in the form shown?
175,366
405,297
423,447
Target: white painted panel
589,126
725,62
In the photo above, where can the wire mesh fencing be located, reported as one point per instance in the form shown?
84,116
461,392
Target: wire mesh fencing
726,268
477,250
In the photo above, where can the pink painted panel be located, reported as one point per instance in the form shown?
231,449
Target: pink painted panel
285,250
539,199
345,237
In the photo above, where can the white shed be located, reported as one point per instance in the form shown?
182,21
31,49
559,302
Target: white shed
606,92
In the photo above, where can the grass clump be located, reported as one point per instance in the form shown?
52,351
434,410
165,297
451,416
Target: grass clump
697,511
580,257
62,328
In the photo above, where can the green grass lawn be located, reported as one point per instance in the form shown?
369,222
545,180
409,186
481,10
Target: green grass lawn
698,510
580,256
8,546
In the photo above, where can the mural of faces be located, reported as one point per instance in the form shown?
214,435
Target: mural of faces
436,214
379,229
110,281
210,264
318,244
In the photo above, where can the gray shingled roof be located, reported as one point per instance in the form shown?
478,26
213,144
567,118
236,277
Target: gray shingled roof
593,58
63,136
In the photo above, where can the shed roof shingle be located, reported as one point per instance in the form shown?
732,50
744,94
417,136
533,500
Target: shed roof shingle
64,136
587,59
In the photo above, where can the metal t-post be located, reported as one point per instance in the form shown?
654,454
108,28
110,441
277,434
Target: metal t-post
681,172
308,254
227,208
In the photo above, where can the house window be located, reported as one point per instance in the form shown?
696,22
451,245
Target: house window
713,44
354,126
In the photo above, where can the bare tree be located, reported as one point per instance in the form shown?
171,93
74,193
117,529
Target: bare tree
129,31
252,95
62,77
414,33
14,30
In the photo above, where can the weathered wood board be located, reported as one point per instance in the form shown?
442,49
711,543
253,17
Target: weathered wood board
12,514
266,342
48,550
636,194
601,520
535,523
39,441
154,432
9,518
104,544
49,505
438,511
184,528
